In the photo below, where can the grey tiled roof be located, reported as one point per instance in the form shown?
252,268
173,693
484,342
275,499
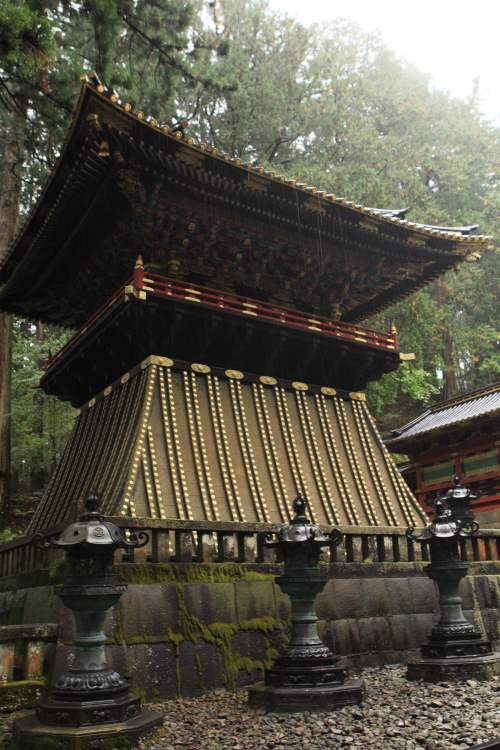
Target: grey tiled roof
453,411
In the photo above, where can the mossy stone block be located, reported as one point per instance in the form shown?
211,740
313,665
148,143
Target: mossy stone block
484,593
399,629
15,696
327,605
356,598
250,644
345,637
399,596
374,634
211,602
152,669
12,607
42,605
254,599
200,667
491,624
147,610
283,604
424,595
466,591
419,627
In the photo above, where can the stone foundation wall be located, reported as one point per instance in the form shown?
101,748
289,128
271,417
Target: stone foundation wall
182,638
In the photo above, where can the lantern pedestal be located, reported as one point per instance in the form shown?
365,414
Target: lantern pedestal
307,676
455,649
89,706
29,734
454,670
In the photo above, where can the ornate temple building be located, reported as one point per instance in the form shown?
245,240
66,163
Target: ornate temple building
459,436
219,359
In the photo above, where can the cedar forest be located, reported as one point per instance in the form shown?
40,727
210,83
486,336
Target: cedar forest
327,104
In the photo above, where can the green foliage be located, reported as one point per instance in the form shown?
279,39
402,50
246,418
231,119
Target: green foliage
7,535
412,381
26,44
57,567
40,423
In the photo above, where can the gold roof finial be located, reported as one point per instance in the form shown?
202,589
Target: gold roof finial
138,262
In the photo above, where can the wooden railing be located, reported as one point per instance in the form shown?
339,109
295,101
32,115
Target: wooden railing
142,282
174,541
264,310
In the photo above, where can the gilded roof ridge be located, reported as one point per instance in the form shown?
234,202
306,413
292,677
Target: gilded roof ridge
409,431
470,396
99,114
389,215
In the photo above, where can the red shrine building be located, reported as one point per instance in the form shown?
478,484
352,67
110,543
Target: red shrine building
459,436
220,355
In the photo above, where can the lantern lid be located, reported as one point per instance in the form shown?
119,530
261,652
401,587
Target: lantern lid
300,528
457,492
92,529
452,515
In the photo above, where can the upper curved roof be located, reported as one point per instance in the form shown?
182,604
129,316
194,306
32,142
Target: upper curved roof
125,185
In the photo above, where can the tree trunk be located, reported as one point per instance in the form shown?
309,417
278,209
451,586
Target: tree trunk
10,193
449,375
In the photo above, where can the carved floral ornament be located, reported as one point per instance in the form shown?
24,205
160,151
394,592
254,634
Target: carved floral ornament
200,368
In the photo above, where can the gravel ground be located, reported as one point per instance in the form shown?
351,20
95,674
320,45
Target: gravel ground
397,714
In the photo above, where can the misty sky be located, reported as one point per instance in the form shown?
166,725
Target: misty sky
454,42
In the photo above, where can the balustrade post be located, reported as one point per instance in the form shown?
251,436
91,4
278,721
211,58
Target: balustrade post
493,548
205,552
183,546
160,546
246,551
349,548
381,550
225,546
396,550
